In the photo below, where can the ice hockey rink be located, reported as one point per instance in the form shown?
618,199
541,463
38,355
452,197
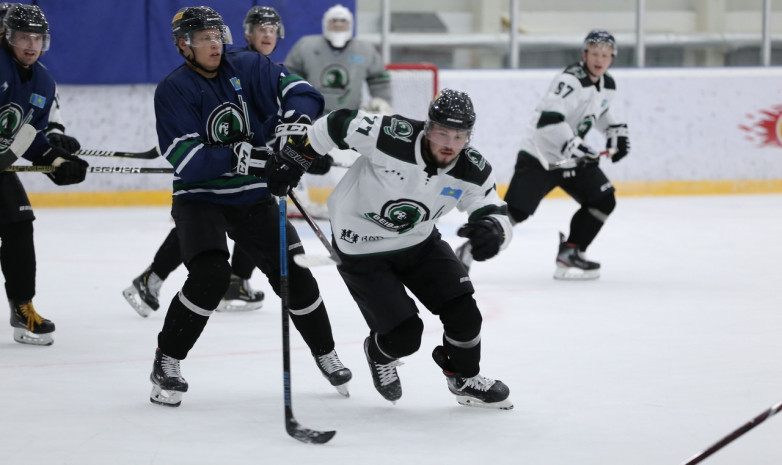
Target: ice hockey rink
675,346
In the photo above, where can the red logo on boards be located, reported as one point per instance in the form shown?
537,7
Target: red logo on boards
765,127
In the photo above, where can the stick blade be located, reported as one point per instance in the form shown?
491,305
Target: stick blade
309,261
308,436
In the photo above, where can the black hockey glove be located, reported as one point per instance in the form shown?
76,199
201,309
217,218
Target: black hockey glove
67,143
292,130
250,160
619,137
69,169
321,165
486,236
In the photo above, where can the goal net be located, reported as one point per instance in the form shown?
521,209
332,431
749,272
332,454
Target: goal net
414,85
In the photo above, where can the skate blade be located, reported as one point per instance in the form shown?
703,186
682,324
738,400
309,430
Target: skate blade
131,295
22,336
238,305
165,397
343,389
572,273
473,402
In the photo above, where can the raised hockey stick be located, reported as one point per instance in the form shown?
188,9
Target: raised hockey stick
148,155
308,261
735,434
93,169
294,429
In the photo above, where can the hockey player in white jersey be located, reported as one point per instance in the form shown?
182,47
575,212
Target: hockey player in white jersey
553,153
383,215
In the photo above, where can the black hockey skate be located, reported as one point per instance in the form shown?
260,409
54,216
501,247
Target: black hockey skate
572,264
168,385
384,376
476,391
464,253
334,371
29,326
240,297
143,294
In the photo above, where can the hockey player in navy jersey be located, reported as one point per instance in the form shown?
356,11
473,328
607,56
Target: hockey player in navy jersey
27,92
383,215
553,153
210,114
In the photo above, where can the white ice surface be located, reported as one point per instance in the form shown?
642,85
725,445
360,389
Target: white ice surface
675,346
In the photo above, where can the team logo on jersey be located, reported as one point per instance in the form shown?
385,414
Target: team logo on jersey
236,83
335,77
226,125
356,59
399,215
476,158
765,128
399,129
10,121
37,100
585,125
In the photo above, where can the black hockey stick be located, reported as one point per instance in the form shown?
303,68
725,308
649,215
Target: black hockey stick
735,434
307,261
292,426
93,169
148,155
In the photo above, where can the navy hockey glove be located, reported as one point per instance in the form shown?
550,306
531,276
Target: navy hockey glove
321,165
486,236
249,160
619,137
69,169
67,143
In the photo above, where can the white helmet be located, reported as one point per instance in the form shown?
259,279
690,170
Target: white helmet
338,39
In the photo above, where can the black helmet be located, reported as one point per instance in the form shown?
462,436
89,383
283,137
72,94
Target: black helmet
3,10
600,37
26,18
263,15
197,18
453,109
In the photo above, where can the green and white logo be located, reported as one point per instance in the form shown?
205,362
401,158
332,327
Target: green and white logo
10,121
226,125
399,215
399,129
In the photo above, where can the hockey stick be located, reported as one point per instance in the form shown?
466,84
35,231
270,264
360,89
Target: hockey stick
578,161
339,164
148,155
307,261
93,169
735,434
292,426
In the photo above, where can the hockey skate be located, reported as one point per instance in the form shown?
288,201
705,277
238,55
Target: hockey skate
168,385
572,264
143,294
334,371
29,326
476,391
240,297
384,376
464,254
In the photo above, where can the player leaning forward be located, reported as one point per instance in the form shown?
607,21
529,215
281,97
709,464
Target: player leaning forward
210,115
383,215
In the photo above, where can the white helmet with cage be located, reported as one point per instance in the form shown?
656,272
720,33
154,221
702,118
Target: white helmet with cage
338,26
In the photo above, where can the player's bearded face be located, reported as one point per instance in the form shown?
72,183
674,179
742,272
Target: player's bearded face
27,47
445,143
597,59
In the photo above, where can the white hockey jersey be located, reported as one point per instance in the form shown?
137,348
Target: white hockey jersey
573,105
389,200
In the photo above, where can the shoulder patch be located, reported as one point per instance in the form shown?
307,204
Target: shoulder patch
397,137
577,71
608,82
471,167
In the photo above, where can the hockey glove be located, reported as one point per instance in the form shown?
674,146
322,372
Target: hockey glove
486,236
69,169
292,130
321,165
249,160
378,105
619,137
67,143
576,148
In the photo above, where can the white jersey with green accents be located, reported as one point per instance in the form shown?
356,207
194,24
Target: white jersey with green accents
389,199
340,74
573,105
